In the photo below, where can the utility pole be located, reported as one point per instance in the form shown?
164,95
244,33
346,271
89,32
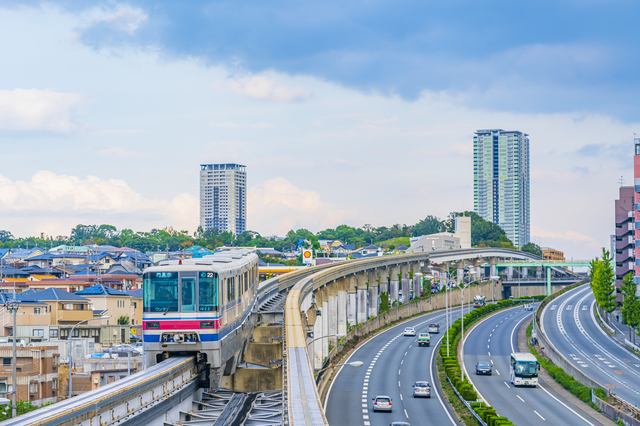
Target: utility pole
13,304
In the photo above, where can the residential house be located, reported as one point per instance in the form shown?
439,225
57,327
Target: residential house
116,304
37,373
18,256
47,260
370,250
65,311
136,311
83,250
30,314
344,249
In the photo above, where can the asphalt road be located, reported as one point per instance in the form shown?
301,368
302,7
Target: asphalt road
392,363
493,340
570,324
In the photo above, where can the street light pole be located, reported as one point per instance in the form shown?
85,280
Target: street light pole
104,317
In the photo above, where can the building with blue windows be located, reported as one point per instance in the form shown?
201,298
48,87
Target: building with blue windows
501,181
223,197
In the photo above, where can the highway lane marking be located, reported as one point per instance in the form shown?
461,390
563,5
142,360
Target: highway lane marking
553,307
405,354
402,362
569,307
584,307
567,407
520,398
498,372
405,413
490,355
399,372
505,383
401,398
398,383
491,360
539,415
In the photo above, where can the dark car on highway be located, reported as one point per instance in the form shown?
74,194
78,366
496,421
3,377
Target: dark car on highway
483,367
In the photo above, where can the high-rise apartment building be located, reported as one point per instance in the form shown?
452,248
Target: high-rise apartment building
501,181
223,197
624,241
636,207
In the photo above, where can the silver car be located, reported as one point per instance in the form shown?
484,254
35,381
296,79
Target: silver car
382,403
421,389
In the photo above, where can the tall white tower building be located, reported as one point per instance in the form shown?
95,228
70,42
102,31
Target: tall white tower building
223,197
501,181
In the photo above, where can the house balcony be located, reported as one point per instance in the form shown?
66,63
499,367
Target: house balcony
73,316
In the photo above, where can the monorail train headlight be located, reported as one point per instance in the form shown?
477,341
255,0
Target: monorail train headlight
153,325
206,324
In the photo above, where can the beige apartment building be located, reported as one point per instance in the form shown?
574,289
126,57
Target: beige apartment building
37,373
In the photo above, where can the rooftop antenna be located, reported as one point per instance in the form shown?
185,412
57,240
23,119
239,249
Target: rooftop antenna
621,180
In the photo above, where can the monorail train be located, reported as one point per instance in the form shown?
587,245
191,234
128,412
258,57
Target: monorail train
201,307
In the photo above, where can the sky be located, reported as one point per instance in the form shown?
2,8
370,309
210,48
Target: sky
351,113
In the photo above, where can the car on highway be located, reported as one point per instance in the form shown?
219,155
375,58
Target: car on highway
409,331
421,389
382,403
434,328
424,339
483,367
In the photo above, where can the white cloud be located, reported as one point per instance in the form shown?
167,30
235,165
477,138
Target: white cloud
276,206
38,110
71,198
122,17
261,87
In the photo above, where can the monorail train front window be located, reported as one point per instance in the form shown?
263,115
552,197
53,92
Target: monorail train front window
161,291
188,294
207,291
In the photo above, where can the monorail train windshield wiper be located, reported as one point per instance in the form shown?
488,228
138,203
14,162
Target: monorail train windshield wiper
170,306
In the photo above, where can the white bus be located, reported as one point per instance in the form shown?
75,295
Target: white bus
523,369
479,301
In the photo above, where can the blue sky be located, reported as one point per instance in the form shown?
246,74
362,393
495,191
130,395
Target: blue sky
354,112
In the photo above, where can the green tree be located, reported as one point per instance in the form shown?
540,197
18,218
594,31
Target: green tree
532,248
630,305
602,283
428,225
123,320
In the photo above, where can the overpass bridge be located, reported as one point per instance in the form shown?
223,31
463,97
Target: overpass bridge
320,301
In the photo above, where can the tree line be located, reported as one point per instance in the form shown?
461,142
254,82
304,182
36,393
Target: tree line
483,234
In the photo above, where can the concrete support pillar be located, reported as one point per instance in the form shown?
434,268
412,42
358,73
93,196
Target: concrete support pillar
342,312
333,319
479,270
525,272
405,284
394,284
317,345
492,267
509,273
539,272
372,279
325,329
362,305
417,283
459,274
384,280
351,308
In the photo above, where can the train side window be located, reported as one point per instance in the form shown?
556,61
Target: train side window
207,291
231,289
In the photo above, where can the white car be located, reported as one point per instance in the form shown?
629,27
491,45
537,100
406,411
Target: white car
410,331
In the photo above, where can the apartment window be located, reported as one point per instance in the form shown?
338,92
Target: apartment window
56,360
6,361
36,311
38,332
135,305
64,333
54,384
33,388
